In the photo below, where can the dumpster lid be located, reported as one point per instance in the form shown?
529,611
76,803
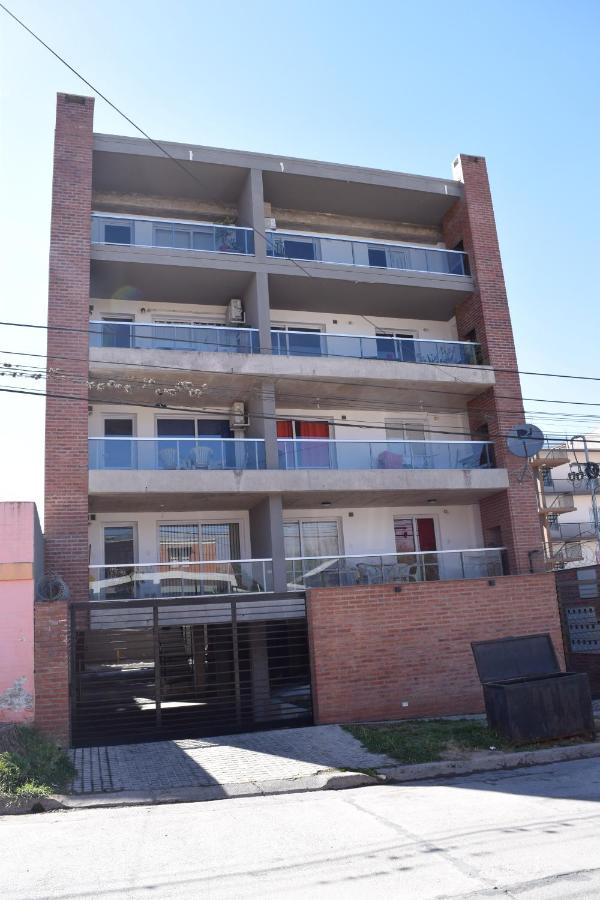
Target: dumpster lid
530,655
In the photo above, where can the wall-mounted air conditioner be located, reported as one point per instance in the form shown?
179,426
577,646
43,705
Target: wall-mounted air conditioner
238,417
235,312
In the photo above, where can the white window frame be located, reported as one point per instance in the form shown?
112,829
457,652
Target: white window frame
324,518
241,523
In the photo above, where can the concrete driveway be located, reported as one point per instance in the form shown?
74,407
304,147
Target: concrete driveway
254,758
530,834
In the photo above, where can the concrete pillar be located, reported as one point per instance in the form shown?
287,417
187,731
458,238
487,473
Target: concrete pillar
251,211
256,306
263,422
266,537
259,665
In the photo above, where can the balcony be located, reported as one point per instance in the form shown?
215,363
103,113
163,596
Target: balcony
325,454
392,568
190,454
572,531
566,486
561,503
180,579
134,231
157,336
356,346
370,254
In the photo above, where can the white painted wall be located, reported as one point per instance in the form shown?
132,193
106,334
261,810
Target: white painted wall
372,530
146,530
149,311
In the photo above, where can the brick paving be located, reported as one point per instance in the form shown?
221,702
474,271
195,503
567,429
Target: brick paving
233,759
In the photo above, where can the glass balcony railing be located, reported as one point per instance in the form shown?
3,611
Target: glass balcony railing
344,251
392,568
324,454
181,235
130,581
176,453
158,336
357,346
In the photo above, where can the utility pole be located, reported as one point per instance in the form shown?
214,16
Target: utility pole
593,482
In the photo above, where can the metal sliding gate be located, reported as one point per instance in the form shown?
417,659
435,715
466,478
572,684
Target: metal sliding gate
145,670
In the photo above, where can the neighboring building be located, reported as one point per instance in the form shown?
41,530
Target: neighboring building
21,553
566,503
299,375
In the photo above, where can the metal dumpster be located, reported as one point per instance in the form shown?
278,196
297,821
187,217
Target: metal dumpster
527,697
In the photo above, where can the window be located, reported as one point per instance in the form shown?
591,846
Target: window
396,345
417,455
119,555
116,333
120,453
117,234
183,544
287,341
377,257
195,454
308,452
311,539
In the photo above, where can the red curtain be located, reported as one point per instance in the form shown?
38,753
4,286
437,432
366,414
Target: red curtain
285,429
312,429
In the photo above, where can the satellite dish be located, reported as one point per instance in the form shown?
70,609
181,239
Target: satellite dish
52,587
525,440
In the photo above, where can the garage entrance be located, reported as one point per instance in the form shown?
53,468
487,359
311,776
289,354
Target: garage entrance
188,667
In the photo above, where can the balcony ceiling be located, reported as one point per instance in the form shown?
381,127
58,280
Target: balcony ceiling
362,199
139,174
124,279
402,294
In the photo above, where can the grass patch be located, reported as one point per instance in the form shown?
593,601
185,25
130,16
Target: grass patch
437,739
31,764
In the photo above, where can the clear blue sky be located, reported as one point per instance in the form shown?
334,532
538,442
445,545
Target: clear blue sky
389,84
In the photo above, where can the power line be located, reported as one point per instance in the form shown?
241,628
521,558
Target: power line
158,405
133,124
382,406
467,366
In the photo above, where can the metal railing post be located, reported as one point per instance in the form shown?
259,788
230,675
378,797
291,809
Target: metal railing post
157,673
236,662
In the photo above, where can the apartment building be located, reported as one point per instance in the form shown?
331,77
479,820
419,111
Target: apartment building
283,376
567,500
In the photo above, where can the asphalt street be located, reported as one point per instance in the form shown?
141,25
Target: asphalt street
531,833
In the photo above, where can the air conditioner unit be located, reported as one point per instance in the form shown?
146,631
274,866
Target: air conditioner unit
237,416
235,312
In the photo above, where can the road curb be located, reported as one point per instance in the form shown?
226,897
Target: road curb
326,780
487,763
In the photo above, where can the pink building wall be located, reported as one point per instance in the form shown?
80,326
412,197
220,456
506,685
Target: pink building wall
20,558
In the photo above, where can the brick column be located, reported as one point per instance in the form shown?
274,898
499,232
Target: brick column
485,312
66,503
51,669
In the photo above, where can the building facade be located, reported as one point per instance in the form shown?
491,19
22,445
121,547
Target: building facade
269,376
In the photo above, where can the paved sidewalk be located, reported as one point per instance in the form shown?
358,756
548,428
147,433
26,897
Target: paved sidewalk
253,758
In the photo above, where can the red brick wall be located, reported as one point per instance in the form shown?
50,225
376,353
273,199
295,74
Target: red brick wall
486,311
372,648
51,669
66,503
